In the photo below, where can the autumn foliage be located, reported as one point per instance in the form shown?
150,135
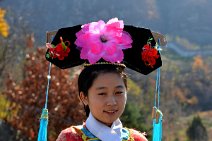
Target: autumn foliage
4,27
28,97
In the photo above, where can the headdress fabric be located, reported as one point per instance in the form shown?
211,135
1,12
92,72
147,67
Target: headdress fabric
141,53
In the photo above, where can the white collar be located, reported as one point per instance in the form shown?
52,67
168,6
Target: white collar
102,131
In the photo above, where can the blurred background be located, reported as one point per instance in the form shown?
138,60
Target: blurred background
186,74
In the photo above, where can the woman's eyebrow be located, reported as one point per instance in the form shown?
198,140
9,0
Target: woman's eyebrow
102,87
120,86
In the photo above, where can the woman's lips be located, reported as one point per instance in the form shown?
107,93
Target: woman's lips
110,111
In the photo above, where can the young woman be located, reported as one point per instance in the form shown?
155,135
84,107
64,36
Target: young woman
105,49
103,91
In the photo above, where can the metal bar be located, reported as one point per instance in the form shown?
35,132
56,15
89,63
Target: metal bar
49,35
160,36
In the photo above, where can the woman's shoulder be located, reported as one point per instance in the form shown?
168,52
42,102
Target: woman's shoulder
137,135
72,133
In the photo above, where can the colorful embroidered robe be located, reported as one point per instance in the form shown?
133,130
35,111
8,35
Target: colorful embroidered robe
81,133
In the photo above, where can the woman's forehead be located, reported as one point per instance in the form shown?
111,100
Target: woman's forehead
108,76
107,79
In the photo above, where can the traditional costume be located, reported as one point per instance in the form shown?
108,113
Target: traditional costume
93,130
103,43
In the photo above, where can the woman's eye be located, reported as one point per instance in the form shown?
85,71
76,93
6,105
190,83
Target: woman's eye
101,93
119,92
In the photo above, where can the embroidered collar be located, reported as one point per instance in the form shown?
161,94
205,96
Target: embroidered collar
104,132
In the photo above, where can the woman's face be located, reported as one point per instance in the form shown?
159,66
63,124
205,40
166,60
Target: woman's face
107,98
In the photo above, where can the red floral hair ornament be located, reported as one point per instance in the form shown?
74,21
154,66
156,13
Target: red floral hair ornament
149,54
59,51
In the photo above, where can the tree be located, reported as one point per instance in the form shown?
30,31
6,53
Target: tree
28,97
14,38
196,131
4,27
4,32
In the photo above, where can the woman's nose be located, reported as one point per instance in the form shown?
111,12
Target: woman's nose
111,100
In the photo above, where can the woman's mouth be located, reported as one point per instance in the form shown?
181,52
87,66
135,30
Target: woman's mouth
111,111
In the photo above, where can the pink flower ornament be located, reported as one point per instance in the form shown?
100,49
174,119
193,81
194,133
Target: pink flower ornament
98,40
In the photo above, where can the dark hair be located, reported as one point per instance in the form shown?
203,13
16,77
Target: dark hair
90,73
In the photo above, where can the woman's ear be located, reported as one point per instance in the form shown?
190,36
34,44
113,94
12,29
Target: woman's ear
83,98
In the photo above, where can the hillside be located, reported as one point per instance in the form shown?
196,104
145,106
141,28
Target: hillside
180,20
184,122
186,74
188,19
